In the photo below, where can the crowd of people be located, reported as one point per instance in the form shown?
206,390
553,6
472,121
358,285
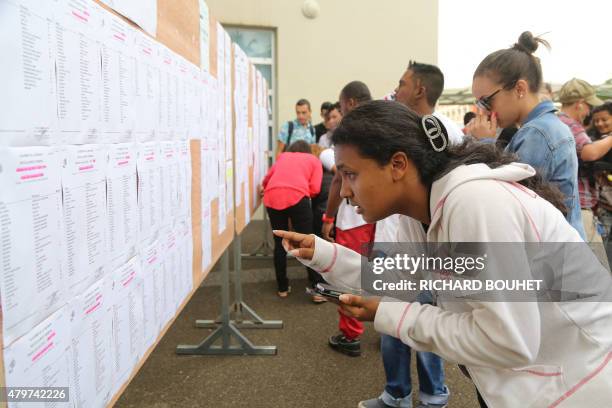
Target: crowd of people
523,169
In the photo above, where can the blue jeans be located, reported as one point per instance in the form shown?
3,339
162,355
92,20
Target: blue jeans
430,369
396,359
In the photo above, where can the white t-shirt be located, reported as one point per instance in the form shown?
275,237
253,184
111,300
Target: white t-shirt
455,134
347,217
327,159
325,140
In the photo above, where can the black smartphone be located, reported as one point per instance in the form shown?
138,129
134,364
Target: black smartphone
331,293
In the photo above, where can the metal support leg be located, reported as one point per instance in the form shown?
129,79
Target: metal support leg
244,316
264,250
241,314
227,329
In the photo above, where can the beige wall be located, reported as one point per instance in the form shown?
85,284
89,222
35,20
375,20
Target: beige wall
371,41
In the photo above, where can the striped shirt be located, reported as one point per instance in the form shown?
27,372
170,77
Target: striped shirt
588,194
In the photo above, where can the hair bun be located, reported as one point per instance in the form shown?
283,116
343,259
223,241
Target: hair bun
527,42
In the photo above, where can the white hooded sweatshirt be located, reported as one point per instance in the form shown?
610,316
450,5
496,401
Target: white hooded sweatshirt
519,354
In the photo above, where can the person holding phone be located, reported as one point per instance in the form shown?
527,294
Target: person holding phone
518,354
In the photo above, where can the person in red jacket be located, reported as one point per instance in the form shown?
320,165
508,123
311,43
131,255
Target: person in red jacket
287,189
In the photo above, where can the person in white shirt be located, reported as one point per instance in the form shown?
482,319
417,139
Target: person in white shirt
518,354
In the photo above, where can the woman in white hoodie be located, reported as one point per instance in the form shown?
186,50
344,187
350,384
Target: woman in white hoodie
519,354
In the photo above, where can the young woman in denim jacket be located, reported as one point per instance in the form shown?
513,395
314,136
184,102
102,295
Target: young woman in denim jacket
506,85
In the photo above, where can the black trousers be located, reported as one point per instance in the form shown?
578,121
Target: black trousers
301,219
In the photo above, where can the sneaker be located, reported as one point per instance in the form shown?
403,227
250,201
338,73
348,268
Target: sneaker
424,405
346,346
373,403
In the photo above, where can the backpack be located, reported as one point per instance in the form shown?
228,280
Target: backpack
290,132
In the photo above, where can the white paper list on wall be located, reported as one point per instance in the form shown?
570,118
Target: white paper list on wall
30,225
127,309
146,88
204,36
95,183
41,358
141,12
76,41
27,104
118,73
152,259
149,188
84,215
122,203
91,357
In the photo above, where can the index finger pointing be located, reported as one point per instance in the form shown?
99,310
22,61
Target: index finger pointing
287,234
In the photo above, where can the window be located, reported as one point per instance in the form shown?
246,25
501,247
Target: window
259,45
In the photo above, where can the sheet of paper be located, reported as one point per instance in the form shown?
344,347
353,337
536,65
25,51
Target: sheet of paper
78,75
41,358
153,285
247,205
205,171
182,68
118,68
168,89
146,87
30,226
141,12
214,153
204,106
194,89
169,182
121,203
229,182
241,114
169,240
204,36
184,182
185,258
149,188
220,109
84,250
222,209
128,316
91,371
27,101
206,236
228,97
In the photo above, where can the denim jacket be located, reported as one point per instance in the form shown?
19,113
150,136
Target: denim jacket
547,144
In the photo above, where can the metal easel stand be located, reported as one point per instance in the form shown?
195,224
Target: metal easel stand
241,314
264,250
225,329
244,316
